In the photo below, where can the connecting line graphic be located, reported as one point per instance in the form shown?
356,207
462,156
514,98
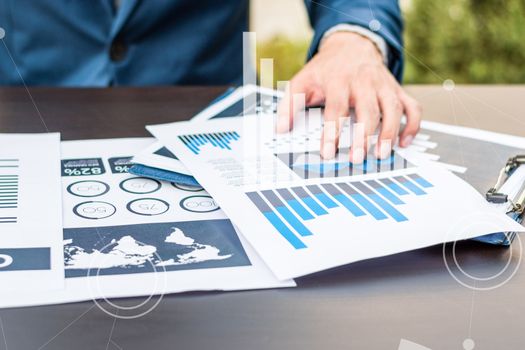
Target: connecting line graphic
110,341
400,47
513,117
448,85
3,332
66,327
460,143
371,9
23,81
468,344
116,345
500,156
471,313
101,239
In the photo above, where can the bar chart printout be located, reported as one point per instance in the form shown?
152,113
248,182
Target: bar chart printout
302,225
30,212
219,140
290,210
8,190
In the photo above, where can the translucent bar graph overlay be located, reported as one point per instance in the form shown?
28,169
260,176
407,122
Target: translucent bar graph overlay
292,210
217,139
311,165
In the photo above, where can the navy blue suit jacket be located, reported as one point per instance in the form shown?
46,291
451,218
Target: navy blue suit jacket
154,42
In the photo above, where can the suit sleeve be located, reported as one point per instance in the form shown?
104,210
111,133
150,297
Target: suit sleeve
325,14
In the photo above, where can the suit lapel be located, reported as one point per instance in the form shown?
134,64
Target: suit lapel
123,13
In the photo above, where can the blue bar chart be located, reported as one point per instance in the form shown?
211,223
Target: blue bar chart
420,181
410,185
290,210
220,140
275,220
394,186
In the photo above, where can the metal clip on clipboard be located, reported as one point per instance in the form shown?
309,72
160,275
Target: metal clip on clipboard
516,205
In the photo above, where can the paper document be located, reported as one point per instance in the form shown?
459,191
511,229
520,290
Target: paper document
30,213
245,100
480,153
261,100
130,236
303,214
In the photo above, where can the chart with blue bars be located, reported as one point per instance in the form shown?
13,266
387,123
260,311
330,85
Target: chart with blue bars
290,210
310,165
219,140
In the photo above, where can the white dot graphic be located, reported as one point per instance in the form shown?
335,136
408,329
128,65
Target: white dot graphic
449,85
468,344
2,33
374,25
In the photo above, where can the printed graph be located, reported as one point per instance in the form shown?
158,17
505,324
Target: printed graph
220,140
8,190
310,165
289,210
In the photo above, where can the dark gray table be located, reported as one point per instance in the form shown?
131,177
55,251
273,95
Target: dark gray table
367,305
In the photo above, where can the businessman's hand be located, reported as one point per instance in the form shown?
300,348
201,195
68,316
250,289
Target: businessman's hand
348,71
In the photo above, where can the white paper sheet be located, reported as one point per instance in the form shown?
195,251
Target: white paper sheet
478,134
265,99
261,100
129,236
348,213
30,213
470,133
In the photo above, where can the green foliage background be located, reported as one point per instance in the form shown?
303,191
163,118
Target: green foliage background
469,41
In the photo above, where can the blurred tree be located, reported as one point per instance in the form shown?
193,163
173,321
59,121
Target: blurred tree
289,55
469,41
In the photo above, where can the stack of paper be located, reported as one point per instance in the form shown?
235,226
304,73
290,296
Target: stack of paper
30,214
218,203
121,235
303,214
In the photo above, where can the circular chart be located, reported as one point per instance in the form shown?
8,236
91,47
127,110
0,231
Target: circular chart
148,206
199,204
94,210
187,188
140,185
88,188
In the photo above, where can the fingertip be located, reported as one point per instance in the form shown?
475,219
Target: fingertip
282,126
328,150
413,114
377,151
357,155
385,149
283,122
407,140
